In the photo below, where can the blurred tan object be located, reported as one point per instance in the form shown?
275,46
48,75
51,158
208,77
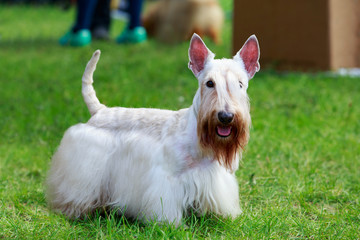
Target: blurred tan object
301,35
173,21
114,4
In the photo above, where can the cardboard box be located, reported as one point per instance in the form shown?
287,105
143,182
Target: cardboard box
301,35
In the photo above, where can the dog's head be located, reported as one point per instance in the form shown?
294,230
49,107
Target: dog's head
221,102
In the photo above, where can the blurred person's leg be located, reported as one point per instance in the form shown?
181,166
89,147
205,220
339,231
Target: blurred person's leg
134,9
85,13
100,25
80,34
134,33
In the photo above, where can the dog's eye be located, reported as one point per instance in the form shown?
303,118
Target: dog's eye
210,84
241,85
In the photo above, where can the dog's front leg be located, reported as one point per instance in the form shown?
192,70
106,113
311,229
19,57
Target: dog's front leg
228,195
163,200
224,195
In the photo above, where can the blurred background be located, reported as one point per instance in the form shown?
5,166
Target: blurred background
299,177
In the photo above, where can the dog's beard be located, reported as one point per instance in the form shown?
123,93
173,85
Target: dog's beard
223,141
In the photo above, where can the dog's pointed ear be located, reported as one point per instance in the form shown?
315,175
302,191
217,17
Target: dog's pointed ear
249,55
199,54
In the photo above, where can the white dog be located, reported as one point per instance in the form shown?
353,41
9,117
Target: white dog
156,164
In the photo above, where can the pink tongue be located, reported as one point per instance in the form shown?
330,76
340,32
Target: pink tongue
223,131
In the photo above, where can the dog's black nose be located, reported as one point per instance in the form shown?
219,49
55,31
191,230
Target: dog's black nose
225,117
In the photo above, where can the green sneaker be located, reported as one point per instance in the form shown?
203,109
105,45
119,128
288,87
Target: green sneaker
65,40
79,39
136,35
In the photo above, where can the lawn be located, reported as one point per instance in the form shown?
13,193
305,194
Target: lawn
299,177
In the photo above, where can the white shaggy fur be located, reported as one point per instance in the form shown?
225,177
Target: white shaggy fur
149,163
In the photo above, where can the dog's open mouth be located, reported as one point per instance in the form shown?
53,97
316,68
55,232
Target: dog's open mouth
223,131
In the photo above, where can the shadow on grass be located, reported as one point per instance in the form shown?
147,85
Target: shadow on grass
28,42
112,223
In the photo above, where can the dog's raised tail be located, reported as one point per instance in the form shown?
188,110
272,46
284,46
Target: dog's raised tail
88,92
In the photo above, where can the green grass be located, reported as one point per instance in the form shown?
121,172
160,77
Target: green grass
300,175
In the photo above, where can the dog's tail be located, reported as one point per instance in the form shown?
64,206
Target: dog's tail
88,92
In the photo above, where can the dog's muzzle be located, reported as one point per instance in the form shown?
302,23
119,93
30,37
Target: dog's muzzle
225,118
